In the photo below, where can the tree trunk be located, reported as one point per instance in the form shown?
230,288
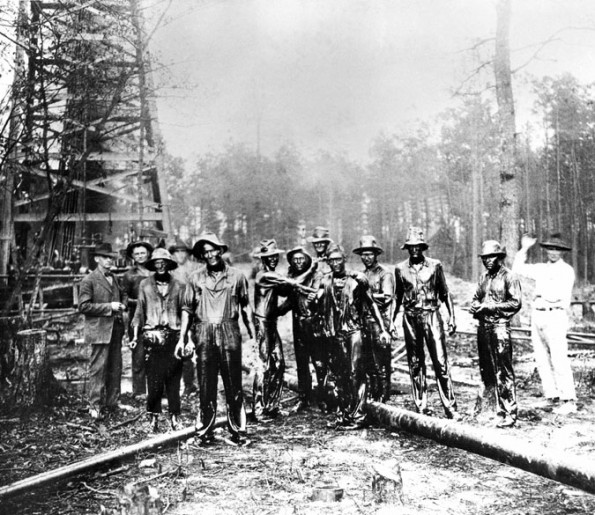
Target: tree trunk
509,206
30,381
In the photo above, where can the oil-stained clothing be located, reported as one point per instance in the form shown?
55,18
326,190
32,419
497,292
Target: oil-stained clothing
213,299
378,366
420,289
268,379
158,315
501,294
343,302
131,284
306,344
182,273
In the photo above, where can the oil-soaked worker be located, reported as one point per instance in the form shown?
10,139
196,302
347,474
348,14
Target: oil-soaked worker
420,287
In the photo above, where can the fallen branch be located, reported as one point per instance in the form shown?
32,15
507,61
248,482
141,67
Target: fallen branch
103,492
74,469
129,421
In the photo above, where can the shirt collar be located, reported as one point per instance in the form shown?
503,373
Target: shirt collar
424,262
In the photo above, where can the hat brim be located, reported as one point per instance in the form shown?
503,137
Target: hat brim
171,264
271,253
311,239
503,254
360,250
171,250
424,245
291,253
555,246
112,255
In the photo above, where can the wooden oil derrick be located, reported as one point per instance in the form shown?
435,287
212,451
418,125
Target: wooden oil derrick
86,165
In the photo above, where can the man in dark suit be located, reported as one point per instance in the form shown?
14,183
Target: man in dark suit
103,303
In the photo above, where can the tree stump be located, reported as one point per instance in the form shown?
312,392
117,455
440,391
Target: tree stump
30,381
387,483
140,500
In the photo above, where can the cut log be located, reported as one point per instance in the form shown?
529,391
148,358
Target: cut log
496,445
387,483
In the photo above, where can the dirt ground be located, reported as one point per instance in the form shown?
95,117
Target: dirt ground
288,458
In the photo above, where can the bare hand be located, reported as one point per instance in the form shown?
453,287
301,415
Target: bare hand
385,338
132,343
118,307
527,241
452,327
179,350
188,349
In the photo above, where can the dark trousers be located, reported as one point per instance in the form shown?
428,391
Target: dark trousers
378,362
164,371
219,349
105,370
347,361
189,375
424,329
268,379
139,378
494,348
307,349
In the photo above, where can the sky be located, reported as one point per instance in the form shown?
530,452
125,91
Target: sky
334,74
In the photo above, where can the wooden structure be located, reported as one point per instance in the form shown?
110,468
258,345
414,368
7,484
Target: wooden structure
86,164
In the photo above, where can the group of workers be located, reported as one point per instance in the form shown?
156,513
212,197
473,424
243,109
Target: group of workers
184,316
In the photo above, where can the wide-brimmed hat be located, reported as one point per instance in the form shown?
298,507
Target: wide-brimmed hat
161,253
555,242
335,247
415,236
212,239
492,248
298,250
268,248
368,243
138,243
319,235
105,250
180,244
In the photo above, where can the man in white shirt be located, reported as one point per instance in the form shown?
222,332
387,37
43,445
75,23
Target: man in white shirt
549,320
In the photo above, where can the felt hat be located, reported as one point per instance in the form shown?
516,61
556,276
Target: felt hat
138,243
366,243
268,248
320,234
415,236
335,247
105,250
180,244
298,250
210,238
161,253
492,248
555,242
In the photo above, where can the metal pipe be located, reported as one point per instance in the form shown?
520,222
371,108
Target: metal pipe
52,476
562,467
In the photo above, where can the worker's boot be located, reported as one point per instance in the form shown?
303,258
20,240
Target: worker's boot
174,421
154,422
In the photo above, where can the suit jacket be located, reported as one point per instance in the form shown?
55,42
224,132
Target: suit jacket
95,298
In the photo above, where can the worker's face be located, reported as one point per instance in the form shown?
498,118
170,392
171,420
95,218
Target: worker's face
211,255
492,263
140,255
181,256
271,262
369,258
337,262
160,266
415,251
104,262
320,247
553,255
298,262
